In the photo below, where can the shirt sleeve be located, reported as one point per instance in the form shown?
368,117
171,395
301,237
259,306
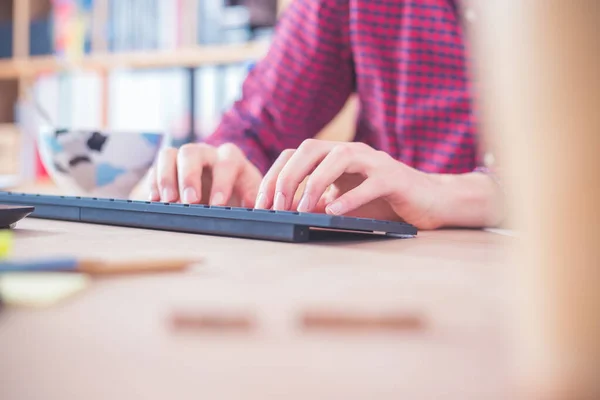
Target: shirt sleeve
297,88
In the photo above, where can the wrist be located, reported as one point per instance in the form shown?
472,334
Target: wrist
472,200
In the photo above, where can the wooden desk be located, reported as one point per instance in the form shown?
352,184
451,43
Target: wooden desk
114,342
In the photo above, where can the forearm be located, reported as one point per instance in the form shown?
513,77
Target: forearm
297,88
473,200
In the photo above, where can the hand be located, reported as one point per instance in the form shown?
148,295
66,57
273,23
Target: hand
199,173
350,179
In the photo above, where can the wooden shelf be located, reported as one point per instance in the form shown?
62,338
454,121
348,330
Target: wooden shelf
196,56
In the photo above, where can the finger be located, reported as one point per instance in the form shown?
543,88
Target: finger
304,161
247,184
321,205
154,193
345,158
318,208
166,175
266,191
330,195
226,171
371,189
191,160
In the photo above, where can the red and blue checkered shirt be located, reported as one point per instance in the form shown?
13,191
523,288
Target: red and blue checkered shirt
406,61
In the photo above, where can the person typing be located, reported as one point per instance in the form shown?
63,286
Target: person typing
415,156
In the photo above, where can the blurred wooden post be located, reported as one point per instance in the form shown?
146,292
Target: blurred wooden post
189,23
21,13
21,21
538,64
100,14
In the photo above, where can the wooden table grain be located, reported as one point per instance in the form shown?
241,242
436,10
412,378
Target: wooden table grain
115,341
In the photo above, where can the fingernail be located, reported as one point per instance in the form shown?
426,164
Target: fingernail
168,194
154,195
260,201
334,208
217,199
279,202
304,204
190,196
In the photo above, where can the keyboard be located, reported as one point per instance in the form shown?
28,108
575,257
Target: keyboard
287,226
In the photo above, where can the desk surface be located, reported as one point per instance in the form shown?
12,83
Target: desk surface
114,341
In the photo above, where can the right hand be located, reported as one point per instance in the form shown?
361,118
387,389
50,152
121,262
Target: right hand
198,173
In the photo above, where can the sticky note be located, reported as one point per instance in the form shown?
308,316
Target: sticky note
6,243
40,289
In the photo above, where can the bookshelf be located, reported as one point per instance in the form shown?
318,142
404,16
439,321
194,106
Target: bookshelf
190,57
28,58
22,66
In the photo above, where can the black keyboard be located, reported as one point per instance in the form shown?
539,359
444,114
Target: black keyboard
286,226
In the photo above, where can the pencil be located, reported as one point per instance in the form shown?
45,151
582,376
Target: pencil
96,266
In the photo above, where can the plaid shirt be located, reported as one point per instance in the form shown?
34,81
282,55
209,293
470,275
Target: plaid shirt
405,59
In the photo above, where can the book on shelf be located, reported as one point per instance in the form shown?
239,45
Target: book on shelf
68,29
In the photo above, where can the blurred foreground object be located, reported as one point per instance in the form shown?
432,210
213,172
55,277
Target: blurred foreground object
538,66
6,243
348,321
40,290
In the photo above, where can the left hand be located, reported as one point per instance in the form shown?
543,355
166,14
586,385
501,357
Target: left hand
349,179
